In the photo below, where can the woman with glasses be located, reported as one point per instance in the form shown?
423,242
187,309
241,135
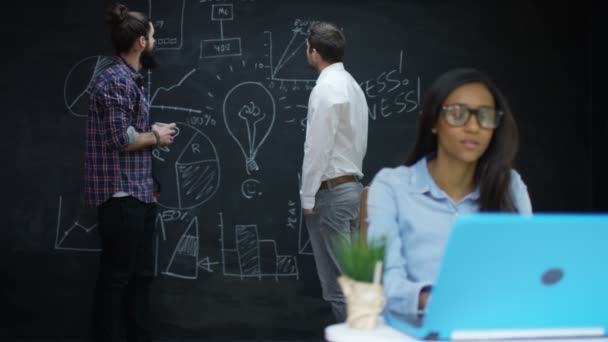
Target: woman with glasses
460,164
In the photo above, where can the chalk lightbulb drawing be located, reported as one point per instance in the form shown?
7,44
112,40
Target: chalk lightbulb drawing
249,113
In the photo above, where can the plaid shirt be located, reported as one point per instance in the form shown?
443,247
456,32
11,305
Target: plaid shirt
117,101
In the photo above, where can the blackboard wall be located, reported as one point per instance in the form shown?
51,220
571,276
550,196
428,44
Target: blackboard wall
232,259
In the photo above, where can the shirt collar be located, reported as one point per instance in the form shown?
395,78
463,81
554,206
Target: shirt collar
422,181
128,69
473,195
339,66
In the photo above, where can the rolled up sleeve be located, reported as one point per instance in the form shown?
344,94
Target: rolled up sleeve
116,121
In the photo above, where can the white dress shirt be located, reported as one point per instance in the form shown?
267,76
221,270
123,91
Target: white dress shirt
336,131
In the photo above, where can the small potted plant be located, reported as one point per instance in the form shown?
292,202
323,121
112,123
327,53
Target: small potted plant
360,281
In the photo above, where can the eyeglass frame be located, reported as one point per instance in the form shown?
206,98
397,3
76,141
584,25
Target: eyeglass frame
498,113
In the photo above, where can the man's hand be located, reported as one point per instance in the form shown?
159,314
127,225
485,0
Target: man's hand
308,212
165,132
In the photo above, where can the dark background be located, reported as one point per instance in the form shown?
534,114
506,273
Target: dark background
541,57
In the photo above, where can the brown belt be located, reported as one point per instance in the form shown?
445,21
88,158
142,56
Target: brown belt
337,181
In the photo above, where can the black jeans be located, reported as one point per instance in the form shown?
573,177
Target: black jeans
126,269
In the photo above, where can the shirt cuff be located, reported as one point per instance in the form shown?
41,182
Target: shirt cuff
132,134
308,202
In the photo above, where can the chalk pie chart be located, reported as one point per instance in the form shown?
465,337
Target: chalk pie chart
80,81
188,170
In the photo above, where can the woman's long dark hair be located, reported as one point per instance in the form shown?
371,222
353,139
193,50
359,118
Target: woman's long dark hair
493,172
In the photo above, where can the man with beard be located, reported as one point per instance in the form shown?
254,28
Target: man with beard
336,142
119,182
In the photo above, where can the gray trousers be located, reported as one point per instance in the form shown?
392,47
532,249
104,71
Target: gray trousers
336,214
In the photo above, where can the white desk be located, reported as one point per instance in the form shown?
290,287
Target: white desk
383,333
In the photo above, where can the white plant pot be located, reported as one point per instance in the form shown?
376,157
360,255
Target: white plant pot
364,302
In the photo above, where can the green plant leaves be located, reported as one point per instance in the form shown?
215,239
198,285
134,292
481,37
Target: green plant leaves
357,259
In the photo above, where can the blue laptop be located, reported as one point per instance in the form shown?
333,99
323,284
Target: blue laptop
509,276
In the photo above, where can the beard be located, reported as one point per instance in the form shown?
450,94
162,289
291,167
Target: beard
149,59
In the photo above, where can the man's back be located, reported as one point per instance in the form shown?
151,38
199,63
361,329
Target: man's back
116,103
336,142
338,88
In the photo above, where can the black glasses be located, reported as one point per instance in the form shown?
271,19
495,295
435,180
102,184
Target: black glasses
458,114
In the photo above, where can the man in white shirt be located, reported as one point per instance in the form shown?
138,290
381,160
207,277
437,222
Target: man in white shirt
336,142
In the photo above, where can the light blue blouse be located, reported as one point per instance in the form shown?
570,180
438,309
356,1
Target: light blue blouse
406,206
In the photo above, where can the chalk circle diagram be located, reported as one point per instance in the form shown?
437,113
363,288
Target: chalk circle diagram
80,81
249,113
188,170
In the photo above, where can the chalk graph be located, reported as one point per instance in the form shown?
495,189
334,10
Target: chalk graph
252,257
76,236
178,237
